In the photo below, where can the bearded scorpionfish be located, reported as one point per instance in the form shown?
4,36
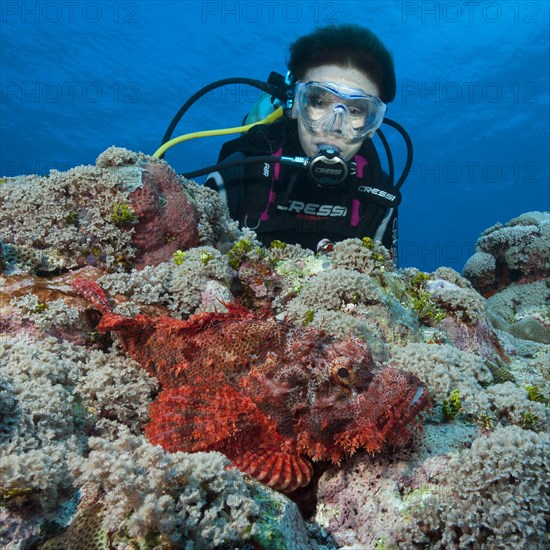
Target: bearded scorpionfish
269,395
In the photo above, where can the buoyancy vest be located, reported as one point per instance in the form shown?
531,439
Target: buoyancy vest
281,202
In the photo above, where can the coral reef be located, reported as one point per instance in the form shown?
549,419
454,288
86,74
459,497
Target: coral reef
150,494
77,406
485,483
163,217
522,310
194,280
127,210
511,267
456,489
365,256
54,397
35,305
42,429
444,369
346,302
365,503
518,251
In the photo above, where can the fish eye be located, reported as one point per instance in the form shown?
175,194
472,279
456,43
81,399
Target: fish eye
342,373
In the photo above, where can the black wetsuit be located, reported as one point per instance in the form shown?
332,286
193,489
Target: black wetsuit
281,202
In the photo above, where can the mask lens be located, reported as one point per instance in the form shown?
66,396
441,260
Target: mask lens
317,102
327,107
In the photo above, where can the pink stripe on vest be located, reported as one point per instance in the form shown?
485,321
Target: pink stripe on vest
360,162
264,216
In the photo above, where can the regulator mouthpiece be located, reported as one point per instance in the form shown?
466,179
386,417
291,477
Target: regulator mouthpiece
328,168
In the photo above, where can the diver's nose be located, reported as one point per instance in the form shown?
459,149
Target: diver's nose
337,122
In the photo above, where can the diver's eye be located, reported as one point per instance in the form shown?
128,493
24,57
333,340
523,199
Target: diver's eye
317,102
356,112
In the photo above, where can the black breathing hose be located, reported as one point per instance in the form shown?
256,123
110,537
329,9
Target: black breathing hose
264,86
409,145
231,164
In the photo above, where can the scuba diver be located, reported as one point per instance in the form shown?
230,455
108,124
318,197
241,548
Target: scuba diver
340,79
304,169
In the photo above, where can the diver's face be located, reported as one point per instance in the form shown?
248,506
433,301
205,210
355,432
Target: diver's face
351,78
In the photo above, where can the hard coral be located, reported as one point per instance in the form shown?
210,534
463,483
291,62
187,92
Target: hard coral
479,338
202,276
167,499
63,221
46,306
196,279
365,502
41,432
215,226
455,296
445,369
344,302
520,250
465,322
365,256
166,218
481,270
129,209
511,403
523,310
305,396
497,496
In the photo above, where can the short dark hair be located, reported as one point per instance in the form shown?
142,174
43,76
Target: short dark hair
345,45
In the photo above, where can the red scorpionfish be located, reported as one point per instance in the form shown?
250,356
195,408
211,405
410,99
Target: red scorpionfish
269,395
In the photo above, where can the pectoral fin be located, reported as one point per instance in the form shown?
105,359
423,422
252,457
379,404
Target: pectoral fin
199,418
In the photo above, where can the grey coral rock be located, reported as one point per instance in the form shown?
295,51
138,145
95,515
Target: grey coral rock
497,497
480,269
55,222
523,310
444,369
178,495
516,251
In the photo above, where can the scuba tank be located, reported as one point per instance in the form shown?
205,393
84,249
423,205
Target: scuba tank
260,110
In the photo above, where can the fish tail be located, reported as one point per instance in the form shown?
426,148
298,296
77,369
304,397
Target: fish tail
93,293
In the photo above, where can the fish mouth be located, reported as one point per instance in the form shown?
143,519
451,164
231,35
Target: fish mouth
387,427
419,402
418,396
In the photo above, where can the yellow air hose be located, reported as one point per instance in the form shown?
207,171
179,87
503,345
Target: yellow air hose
207,133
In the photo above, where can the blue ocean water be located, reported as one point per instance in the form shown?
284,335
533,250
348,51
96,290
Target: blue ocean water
473,88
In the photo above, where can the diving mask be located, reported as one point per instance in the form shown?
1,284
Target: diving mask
326,107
